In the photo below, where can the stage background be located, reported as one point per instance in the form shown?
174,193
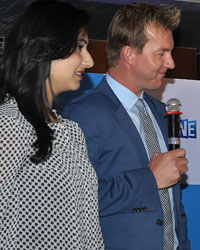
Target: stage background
188,92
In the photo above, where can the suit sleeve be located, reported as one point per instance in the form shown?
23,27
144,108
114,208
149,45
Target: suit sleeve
125,192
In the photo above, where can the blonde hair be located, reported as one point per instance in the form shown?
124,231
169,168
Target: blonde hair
129,24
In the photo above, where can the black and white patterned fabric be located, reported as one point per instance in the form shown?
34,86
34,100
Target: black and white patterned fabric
153,146
52,205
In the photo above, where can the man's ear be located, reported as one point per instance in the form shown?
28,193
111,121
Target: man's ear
128,55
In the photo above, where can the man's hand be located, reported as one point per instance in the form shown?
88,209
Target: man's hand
168,167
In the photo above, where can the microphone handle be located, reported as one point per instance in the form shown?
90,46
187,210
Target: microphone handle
173,131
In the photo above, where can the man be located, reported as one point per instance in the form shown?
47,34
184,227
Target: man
132,171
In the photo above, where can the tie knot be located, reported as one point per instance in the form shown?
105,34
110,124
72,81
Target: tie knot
140,104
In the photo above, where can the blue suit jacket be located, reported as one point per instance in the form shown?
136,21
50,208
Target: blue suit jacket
130,210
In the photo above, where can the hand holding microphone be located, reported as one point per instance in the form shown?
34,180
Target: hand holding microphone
168,167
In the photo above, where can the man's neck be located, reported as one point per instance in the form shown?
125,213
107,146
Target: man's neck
122,75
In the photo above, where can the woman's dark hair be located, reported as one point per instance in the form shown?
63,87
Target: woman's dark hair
45,31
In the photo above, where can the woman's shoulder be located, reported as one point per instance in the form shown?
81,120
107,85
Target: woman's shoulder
10,115
68,128
67,123
9,110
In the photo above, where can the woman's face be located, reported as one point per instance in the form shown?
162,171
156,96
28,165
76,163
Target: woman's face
66,74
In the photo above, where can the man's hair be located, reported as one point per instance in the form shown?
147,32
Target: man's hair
129,24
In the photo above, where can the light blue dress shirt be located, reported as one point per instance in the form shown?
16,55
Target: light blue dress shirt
128,99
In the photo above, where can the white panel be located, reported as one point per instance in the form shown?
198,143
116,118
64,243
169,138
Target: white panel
188,92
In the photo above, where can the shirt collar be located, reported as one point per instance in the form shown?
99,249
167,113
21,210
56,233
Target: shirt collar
126,97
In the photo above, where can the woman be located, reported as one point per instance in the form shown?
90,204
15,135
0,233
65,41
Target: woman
48,188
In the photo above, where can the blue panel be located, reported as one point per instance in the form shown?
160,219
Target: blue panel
94,79
89,81
191,201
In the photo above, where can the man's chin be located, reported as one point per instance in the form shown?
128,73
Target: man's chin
159,83
156,85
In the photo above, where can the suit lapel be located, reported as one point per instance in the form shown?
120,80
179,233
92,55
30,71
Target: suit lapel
125,122
128,126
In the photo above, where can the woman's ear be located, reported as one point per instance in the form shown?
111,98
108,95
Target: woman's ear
128,55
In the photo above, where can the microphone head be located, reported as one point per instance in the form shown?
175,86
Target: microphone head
173,105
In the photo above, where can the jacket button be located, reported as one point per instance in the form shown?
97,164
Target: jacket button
159,222
143,208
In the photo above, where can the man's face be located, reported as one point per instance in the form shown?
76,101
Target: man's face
155,59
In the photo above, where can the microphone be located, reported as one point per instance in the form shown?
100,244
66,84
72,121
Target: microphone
173,107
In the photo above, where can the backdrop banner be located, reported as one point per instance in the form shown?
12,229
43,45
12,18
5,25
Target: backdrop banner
188,92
